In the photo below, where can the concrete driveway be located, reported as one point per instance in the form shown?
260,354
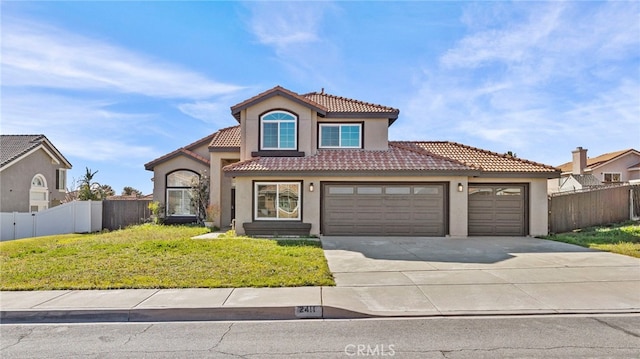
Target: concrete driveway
480,275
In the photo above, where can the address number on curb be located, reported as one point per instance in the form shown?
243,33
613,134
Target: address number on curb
309,311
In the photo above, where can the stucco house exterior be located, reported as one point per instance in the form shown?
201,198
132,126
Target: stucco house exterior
33,173
319,164
584,173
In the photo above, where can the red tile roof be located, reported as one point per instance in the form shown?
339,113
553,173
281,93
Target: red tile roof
186,151
396,158
342,104
324,103
401,156
486,160
226,138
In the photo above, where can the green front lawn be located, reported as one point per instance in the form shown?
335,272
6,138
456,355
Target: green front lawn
623,238
154,256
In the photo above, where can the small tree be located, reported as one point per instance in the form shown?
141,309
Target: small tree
88,189
200,196
130,191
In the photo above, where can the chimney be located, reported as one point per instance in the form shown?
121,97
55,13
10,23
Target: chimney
579,160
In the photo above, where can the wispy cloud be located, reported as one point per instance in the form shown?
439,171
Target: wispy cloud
39,55
81,128
539,75
295,32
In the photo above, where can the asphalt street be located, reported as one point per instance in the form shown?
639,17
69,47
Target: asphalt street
559,336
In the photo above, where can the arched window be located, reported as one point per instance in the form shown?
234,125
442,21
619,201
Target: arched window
179,196
278,131
38,194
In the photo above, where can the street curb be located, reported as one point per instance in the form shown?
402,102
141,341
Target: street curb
244,314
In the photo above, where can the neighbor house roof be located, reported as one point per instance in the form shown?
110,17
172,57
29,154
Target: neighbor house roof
183,151
14,147
588,180
325,104
599,160
485,160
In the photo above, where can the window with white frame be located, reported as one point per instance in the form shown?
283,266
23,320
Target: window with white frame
611,177
38,194
179,194
277,200
340,135
278,131
61,179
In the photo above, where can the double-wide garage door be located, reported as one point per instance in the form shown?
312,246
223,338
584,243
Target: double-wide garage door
497,210
372,209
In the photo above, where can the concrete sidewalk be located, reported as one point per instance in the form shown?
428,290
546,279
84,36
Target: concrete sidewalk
396,277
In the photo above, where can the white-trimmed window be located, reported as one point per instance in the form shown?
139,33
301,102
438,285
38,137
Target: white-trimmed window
179,195
611,177
277,200
61,179
279,131
38,194
340,135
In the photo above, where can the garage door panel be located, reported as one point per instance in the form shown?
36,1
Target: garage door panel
384,209
497,210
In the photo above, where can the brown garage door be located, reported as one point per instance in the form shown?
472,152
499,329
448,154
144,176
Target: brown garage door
497,210
380,209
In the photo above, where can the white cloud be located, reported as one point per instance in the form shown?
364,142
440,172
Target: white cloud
85,129
294,31
37,55
549,75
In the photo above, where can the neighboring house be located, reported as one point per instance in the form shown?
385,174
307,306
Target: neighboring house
322,164
33,173
585,173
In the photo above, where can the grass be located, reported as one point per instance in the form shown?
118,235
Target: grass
622,238
155,256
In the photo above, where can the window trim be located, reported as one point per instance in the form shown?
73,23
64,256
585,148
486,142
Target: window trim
604,175
261,130
167,188
61,179
340,125
256,218
40,204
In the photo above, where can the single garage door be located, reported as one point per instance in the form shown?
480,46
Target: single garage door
497,210
352,209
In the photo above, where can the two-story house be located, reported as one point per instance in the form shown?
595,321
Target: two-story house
583,173
321,164
33,173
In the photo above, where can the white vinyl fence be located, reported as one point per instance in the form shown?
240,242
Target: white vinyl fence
72,217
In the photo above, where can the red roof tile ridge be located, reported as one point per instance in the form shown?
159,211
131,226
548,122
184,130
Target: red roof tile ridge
274,89
502,155
401,144
351,100
194,155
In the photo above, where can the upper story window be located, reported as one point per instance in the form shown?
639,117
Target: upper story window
611,177
340,135
279,131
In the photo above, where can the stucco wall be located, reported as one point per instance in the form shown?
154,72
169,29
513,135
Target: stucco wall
375,130
458,201
220,190
621,166
15,182
161,170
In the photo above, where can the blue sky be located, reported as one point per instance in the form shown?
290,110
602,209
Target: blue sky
117,84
